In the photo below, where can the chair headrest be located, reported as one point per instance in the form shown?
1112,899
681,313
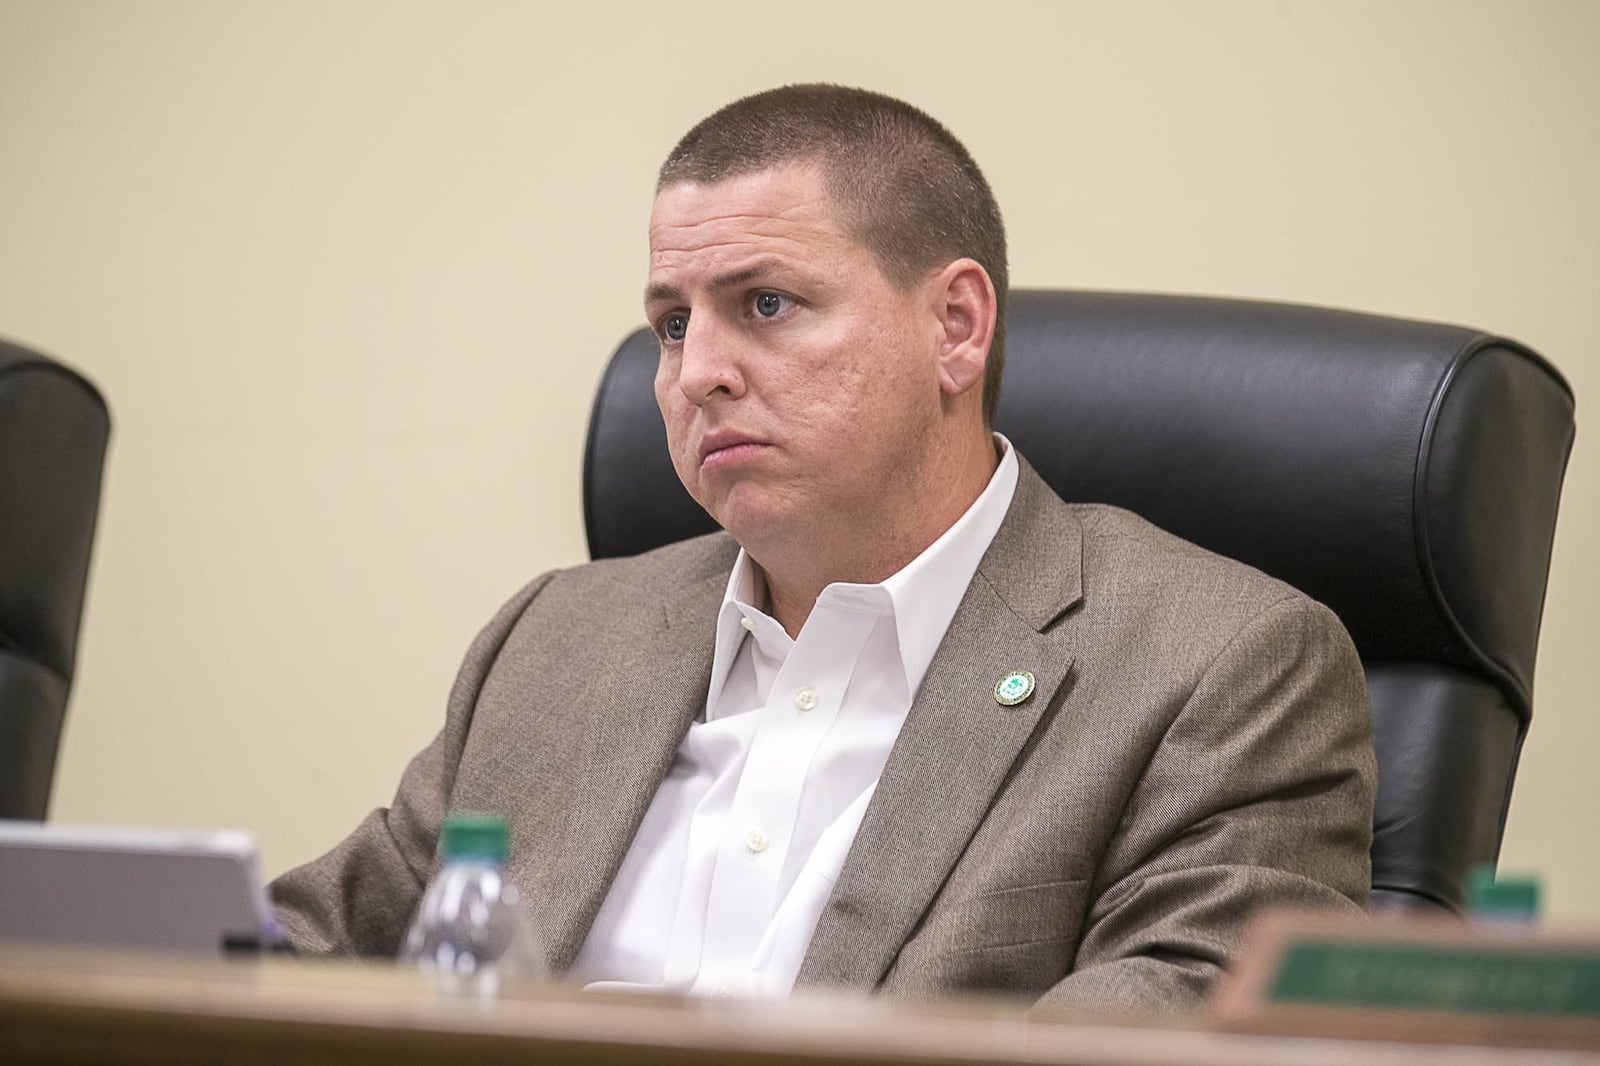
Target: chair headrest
53,432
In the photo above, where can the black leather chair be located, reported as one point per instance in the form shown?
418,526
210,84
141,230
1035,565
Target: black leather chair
53,432
1404,473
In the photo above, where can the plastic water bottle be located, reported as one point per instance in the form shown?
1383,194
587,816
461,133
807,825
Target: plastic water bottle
1506,905
470,929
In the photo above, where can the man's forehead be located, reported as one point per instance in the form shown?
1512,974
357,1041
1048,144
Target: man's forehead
788,194
773,221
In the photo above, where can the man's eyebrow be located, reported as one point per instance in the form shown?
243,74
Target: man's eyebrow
662,292
738,277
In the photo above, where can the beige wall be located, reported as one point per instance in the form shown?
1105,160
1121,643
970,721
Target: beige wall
348,272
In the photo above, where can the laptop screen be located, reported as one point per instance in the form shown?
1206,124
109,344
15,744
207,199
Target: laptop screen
176,890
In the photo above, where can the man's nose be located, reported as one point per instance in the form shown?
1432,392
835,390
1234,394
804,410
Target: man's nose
710,365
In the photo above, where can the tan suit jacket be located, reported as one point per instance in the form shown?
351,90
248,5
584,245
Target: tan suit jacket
1198,745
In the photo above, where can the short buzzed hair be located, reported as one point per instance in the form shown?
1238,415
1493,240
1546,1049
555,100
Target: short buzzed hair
904,186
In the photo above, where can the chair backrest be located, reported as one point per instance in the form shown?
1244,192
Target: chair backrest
53,432
1404,473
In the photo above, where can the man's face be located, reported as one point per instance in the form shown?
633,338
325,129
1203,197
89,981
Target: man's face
798,385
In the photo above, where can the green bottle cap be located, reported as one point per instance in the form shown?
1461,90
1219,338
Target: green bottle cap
1514,896
470,835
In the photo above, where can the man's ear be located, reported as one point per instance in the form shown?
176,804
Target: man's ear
966,308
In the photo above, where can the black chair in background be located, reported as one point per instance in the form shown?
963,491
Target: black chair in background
53,432
1404,473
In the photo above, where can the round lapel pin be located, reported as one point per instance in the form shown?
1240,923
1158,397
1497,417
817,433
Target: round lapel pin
1013,688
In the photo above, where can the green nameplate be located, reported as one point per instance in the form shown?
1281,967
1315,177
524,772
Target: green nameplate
1465,979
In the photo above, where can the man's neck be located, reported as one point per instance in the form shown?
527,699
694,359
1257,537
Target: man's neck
868,553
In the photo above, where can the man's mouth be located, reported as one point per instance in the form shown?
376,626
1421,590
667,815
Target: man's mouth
725,447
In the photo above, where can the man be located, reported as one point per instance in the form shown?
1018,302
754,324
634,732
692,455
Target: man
912,724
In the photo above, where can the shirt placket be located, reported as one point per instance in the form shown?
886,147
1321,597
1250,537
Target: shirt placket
803,703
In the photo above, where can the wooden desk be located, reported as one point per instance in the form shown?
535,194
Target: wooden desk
70,1006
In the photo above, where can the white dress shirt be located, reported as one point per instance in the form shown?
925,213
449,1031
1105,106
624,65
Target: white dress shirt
724,882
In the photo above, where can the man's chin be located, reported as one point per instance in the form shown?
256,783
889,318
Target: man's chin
752,521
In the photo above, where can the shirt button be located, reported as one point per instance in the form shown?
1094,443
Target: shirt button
749,625
722,992
756,841
805,700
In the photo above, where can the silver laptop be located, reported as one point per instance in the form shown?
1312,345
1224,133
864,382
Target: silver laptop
194,891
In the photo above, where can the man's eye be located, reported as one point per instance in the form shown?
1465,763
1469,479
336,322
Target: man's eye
768,304
675,327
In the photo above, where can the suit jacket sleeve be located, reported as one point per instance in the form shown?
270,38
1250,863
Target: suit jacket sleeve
1260,793
359,897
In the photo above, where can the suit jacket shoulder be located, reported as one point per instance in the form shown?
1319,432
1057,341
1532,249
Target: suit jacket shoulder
563,717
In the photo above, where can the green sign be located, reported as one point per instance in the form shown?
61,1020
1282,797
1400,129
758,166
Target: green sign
1514,980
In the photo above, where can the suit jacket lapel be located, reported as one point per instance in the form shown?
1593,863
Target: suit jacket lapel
651,692
958,742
